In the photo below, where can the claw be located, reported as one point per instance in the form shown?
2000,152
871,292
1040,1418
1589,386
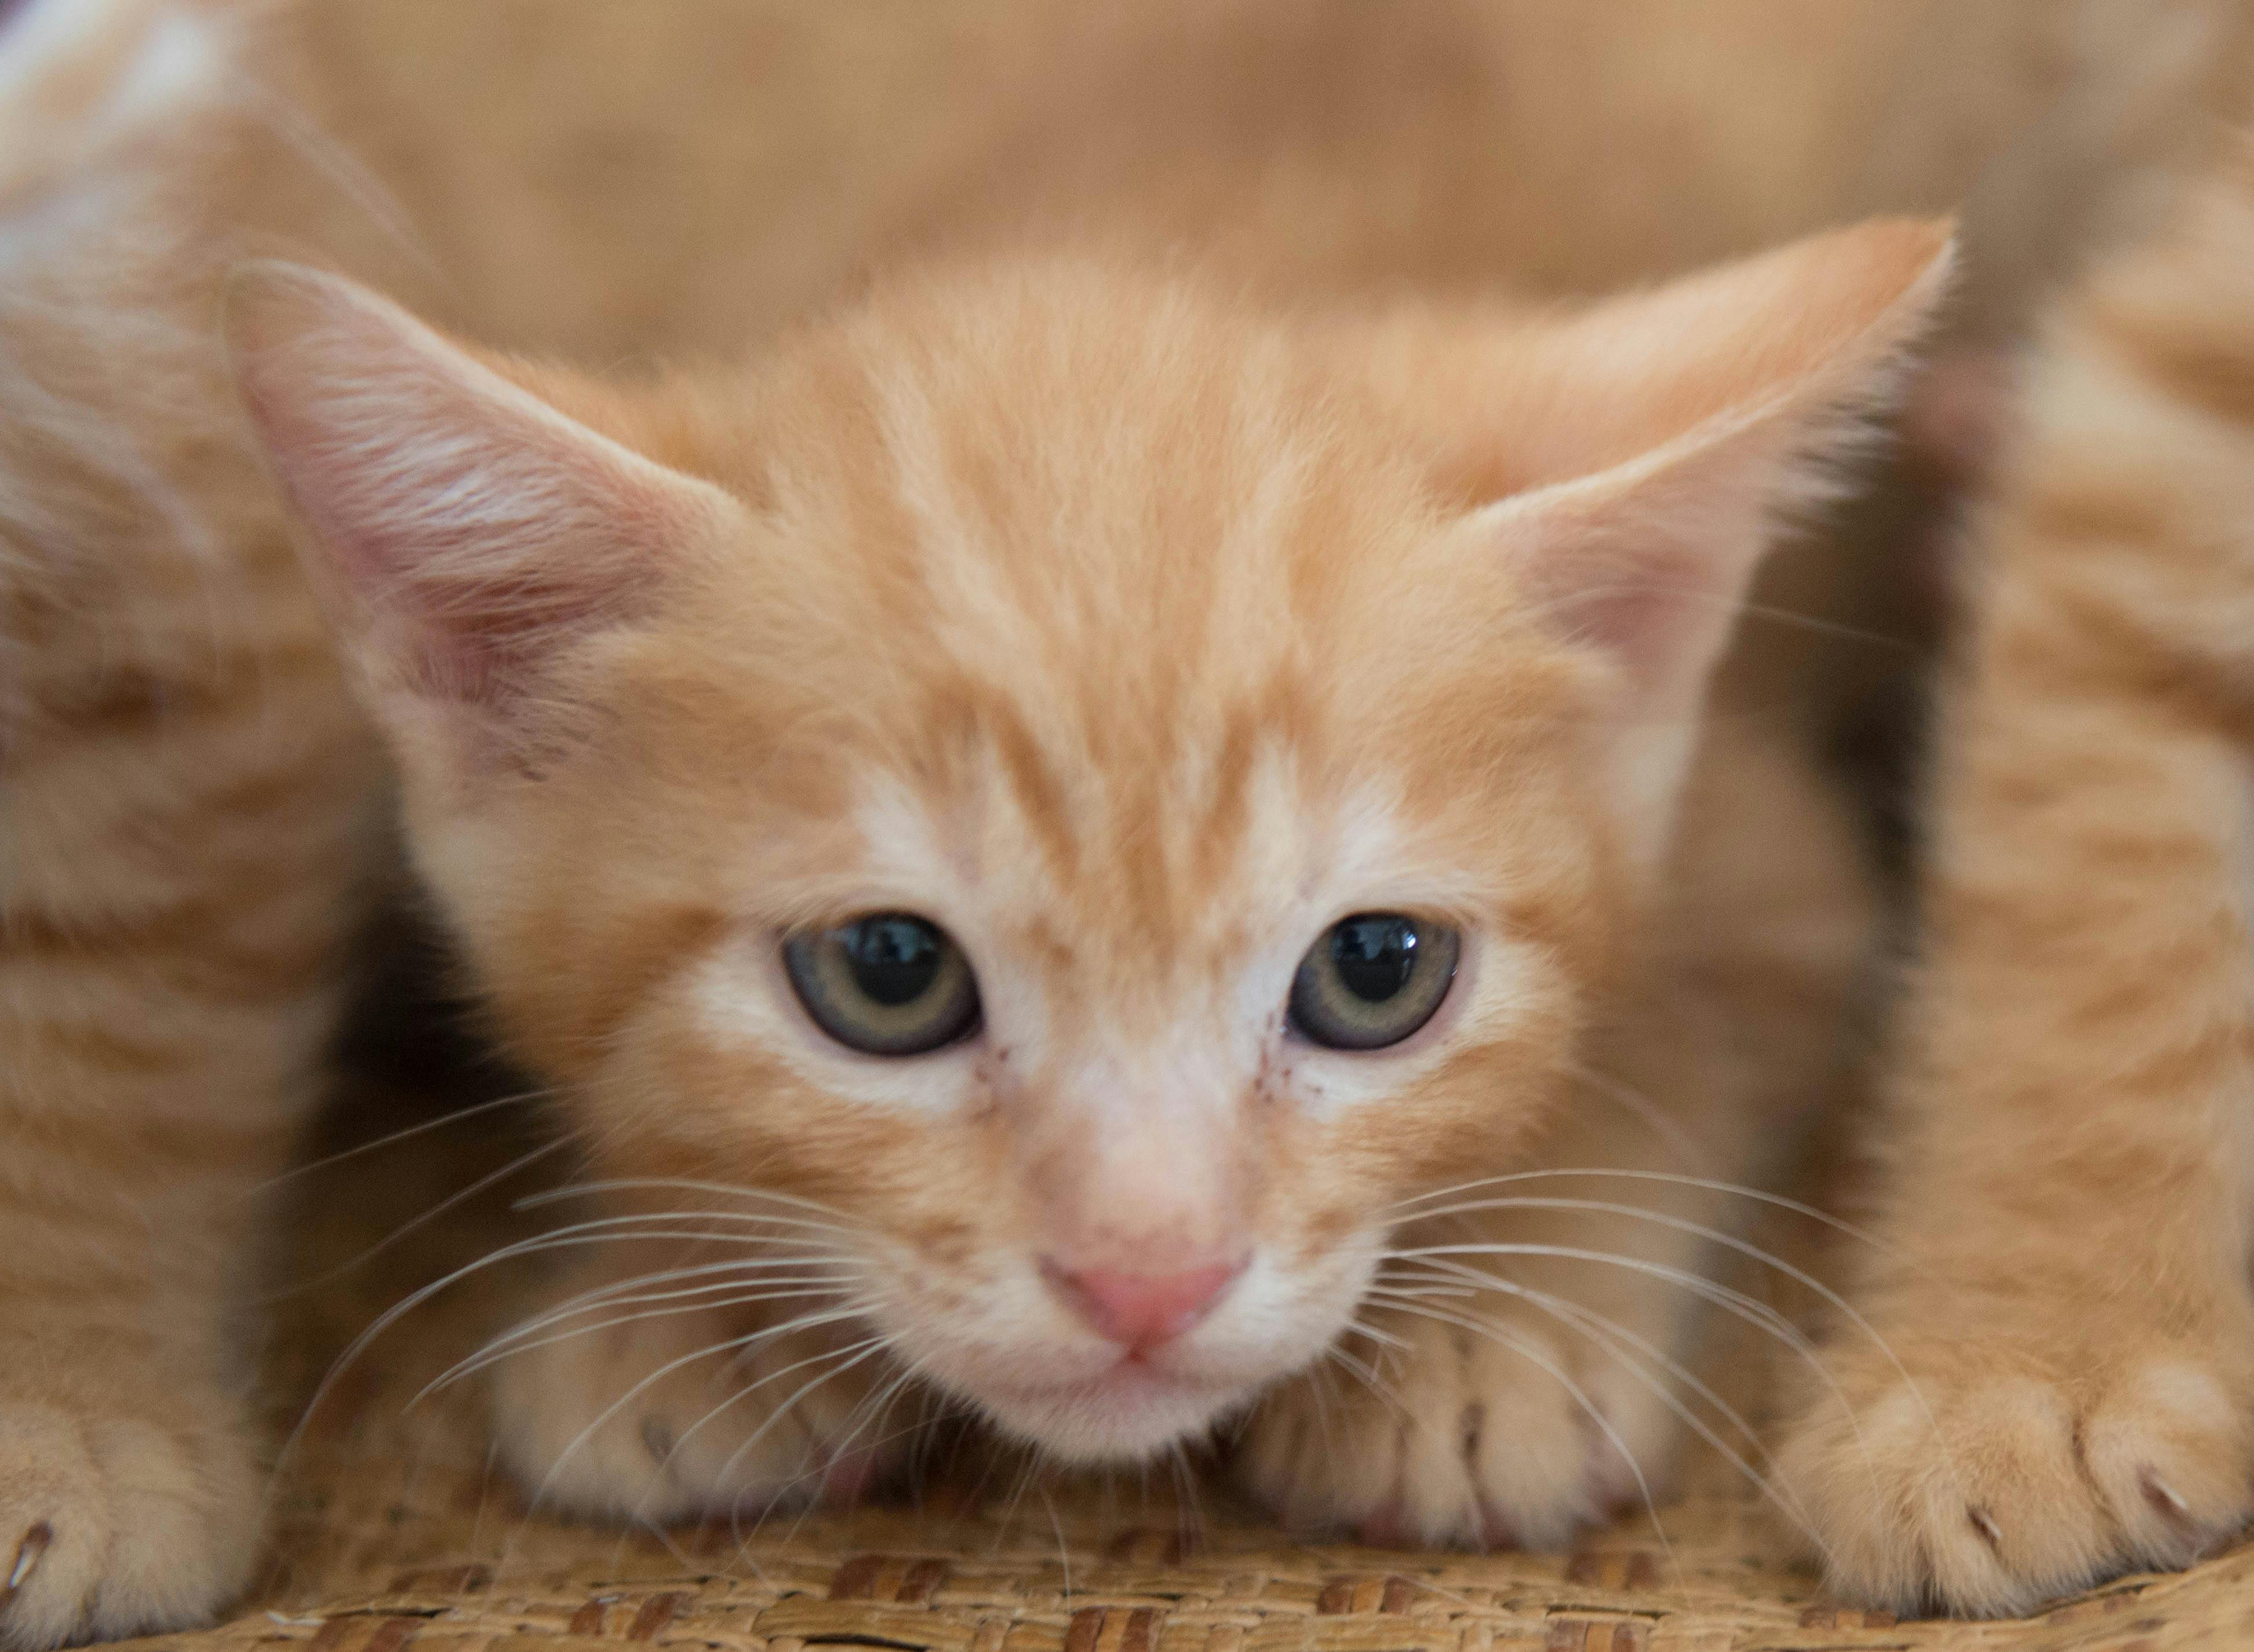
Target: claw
2166,1499
28,1553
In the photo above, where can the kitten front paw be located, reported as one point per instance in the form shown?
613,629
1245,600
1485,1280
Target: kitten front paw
121,1512
1464,1439
1999,1475
697,1415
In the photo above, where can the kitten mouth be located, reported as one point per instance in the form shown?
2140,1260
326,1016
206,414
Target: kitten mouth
1128,1410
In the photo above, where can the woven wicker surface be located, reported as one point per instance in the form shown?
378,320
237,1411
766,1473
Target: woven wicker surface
392,1532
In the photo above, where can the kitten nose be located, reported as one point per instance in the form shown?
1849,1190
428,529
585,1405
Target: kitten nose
1141,1309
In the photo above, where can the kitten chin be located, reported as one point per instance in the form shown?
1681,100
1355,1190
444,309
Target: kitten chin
1130,1413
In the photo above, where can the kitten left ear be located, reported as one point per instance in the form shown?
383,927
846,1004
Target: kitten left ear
1714,407
466,536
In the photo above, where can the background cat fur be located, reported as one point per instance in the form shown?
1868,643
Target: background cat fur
2062,1211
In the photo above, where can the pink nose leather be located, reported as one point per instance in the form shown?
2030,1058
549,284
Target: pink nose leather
1142,1310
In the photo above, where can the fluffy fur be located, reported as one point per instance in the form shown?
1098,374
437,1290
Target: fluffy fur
1135,635
183,780
186,775
2061,1257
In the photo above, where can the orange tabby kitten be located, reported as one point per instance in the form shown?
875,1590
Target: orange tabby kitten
1065,810
1150,664
2063,1271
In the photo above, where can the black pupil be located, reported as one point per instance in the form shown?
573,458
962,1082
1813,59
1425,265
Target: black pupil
894,960
1375,956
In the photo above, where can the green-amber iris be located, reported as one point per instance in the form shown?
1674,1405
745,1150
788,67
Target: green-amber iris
1372,980
889,984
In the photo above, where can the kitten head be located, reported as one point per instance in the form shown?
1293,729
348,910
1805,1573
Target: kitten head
1111,795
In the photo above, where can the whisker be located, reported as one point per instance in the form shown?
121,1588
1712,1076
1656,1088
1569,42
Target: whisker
391,1316
1749,1308
1744,1306
866,1348
630,1219
801,1323
1405,1209
1646,1112
449,1202
1603,1332
675,1184
1674,1368
1634,1212
1502,1337
820,1458
392,1138
1385,1393
613,1291
1064,1549
489,1357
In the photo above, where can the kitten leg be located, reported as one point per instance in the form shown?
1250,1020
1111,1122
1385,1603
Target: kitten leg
1514,1393
2067,1384
2065,1283
649,1386
182,783
168,917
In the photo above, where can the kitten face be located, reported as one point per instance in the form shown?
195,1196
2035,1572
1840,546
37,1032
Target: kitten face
1042,666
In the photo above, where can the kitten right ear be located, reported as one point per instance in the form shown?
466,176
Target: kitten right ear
466,534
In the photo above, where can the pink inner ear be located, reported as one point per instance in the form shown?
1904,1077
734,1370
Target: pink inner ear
472,530
1628,602
480,603
490,649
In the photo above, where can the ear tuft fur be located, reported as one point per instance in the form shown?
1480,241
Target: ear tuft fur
466,532
1745,390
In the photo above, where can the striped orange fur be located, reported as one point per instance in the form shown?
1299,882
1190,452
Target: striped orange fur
1134,633
2065,1222
1174,648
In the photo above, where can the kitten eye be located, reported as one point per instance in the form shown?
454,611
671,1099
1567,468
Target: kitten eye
1373,980
890,983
